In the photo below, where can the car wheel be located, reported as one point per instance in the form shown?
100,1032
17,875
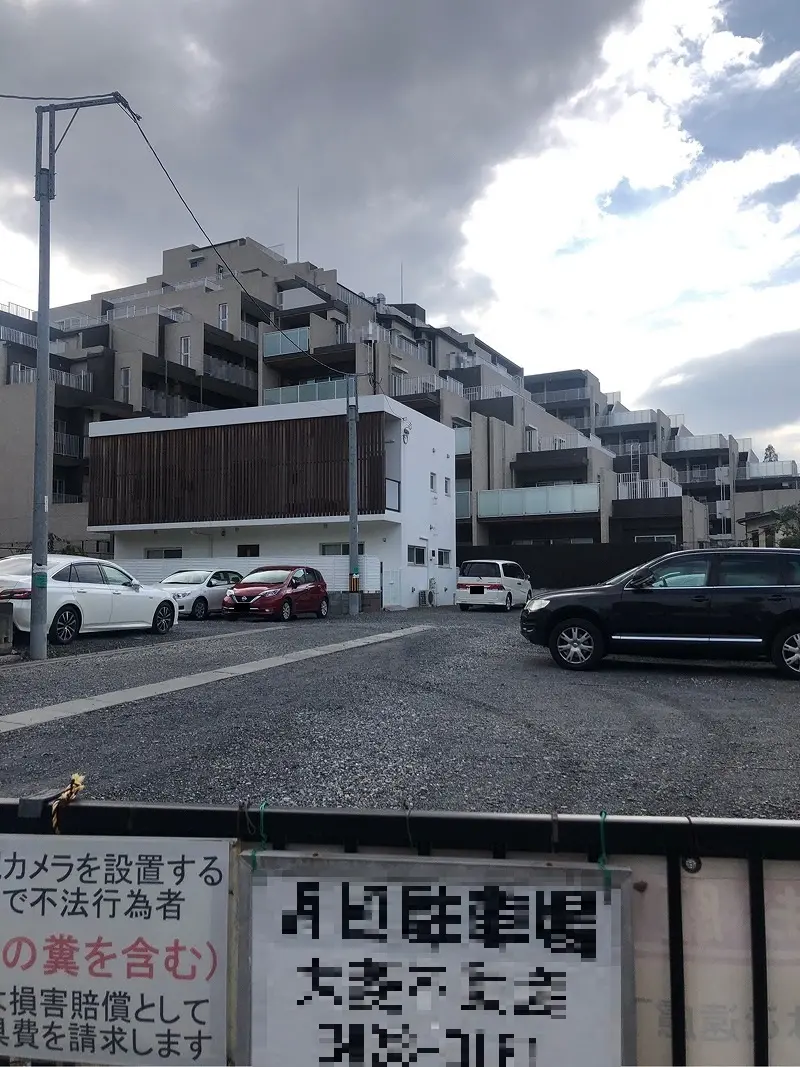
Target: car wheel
286,610
509,604
323,609
164,619
576,645
200,608
529,596
464,607
65,626
786,651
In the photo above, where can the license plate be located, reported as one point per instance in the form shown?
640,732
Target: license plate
476,589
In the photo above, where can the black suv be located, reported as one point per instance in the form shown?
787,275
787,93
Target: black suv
716,603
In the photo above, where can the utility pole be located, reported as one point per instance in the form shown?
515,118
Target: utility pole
44,192
352,489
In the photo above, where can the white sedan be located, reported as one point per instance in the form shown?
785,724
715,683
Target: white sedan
200,592
86,596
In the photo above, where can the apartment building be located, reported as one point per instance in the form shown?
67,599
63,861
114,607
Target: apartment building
271,483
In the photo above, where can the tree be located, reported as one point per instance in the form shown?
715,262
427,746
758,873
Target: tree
770,455
787,526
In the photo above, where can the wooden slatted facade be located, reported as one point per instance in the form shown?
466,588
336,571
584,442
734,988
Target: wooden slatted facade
291,468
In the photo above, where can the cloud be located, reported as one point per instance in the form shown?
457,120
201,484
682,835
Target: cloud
626,244
750,391
387,115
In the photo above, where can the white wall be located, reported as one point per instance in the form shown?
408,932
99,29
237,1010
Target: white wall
335,569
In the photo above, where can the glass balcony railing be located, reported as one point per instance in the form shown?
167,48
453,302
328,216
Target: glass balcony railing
555,396
463,504
463,440
286,342
336,389
539,500
392,494
70,444
230,372
249,332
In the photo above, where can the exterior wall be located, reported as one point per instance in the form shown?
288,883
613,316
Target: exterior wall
756,503
695,522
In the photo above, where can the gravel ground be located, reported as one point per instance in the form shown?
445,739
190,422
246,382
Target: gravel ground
465,716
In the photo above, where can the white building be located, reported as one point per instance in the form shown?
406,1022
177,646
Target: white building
271,483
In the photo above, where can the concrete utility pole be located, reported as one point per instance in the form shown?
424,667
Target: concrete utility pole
44,192
352,489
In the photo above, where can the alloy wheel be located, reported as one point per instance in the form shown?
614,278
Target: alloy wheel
791,652
66,626
575,645
163,619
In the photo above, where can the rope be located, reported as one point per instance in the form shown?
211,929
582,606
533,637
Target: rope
75,787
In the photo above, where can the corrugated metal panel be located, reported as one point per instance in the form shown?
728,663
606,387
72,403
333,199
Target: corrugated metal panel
334,569
286,469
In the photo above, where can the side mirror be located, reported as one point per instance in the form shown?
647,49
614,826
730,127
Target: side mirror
134,585
641,581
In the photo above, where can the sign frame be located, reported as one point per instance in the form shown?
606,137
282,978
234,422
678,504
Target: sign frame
256,867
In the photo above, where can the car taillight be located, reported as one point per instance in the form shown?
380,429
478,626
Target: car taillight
463,585
15,594
494,585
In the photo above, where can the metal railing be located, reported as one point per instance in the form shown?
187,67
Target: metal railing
486,392
554,396
392,494
69,444
171,406
249,332
461,360
66,498
286,342
688,477
84,322
464,504
347,296
712,441
647,489
230,372
18,310
539,500
334,389
19,374
405,385
29,340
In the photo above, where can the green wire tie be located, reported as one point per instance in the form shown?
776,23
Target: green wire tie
262,808
602,860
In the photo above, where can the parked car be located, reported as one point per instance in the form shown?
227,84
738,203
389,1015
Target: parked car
491,583
84,596
715,603
198,593
278,592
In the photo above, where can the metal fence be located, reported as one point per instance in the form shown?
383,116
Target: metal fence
711,897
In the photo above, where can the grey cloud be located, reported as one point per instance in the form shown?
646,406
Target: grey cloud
389,115
747,391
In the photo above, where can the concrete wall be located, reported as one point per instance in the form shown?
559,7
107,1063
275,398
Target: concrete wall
695,522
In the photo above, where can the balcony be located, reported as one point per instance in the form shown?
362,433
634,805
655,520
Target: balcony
540,500
286,342
392,494
18,310
693,477
170,406
715,442
249,332
347,296
131,311
486,392
782,468
19,374
336,389
647,489
230,372
404,385
463,504
461,360
66,498
624,418
552,443
463,440
29,340
645,448
70,444
556,396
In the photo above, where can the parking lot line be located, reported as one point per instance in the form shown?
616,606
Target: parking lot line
21,720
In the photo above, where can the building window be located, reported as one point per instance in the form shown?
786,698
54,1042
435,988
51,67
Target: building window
185,351
444,557
163,553
433,482
447,487
248,550
223,317
125,385
195,263
416,555
649,539
339,548
430,353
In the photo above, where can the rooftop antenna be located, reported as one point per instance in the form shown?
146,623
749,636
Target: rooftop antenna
297,229
401,282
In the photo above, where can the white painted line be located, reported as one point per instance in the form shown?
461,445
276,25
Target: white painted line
21,720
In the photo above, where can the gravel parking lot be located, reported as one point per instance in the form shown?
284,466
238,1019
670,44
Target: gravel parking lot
465,715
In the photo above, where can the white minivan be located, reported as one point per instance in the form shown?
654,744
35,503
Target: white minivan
492,583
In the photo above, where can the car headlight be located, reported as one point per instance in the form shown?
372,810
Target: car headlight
536,605
180,596
267,592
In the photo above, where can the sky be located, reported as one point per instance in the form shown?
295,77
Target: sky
607,184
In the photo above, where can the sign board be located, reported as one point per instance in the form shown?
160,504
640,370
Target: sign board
113,950
363,960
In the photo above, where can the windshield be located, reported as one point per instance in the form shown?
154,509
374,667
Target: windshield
187,578
15,565
480,569
619,578
266,577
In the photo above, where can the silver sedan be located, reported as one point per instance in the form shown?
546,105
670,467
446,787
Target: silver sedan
198,593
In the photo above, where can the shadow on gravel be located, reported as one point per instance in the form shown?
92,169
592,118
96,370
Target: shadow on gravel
686,668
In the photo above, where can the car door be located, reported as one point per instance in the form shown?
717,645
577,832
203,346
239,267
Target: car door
317,590
515,581
216,588
749,594
130,606
673,606
92,595
301,592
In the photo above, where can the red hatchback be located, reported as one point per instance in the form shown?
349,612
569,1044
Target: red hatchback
278,592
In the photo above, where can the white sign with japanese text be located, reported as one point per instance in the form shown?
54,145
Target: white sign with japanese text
113,949
434,962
